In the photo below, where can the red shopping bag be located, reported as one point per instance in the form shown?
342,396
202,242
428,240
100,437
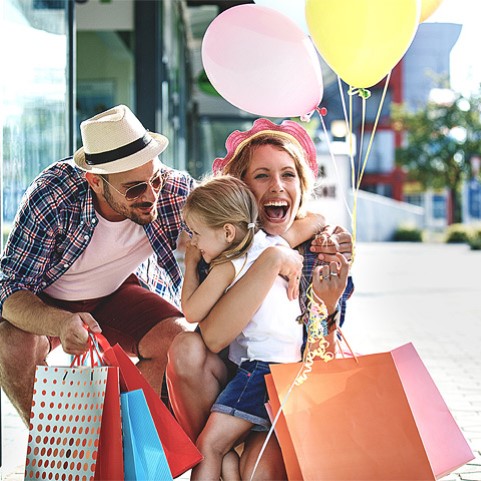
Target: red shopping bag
181,453
380,417
75,424
110,465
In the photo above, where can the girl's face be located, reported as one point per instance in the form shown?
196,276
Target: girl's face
273,179
210,242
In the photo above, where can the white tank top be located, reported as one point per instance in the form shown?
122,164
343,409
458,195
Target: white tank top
114,252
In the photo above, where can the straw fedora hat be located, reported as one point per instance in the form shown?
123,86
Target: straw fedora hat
115,141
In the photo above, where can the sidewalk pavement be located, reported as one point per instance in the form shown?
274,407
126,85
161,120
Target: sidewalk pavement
427,294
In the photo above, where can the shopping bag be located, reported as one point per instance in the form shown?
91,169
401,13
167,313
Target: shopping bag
69,407
374,417
144,457
180,451
109,466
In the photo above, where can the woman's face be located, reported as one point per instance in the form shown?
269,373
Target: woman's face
274,181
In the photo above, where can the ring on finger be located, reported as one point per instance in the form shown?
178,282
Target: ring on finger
333,274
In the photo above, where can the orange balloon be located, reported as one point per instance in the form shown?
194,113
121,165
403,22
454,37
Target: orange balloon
428,7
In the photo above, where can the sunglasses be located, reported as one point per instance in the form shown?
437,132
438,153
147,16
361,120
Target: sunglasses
137,190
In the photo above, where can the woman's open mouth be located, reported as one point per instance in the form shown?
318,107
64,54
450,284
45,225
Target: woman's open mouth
276,211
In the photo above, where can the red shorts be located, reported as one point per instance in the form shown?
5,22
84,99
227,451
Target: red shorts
125,316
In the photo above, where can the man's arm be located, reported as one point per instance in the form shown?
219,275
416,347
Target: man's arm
237,306
26,311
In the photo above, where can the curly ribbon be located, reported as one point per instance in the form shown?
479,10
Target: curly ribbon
317,331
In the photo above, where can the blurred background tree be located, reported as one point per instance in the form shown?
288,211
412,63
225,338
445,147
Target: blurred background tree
440,140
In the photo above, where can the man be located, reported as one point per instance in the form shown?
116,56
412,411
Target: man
84,226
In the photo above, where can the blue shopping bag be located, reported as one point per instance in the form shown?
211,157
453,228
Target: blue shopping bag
144,457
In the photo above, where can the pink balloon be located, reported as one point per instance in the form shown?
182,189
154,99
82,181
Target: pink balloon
262,62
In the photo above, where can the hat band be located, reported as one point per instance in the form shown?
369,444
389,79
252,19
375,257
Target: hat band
119,153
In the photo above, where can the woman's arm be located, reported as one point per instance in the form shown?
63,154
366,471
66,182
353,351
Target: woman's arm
237,306
304,229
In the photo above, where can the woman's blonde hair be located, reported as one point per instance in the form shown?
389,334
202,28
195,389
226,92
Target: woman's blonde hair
224,200
240,162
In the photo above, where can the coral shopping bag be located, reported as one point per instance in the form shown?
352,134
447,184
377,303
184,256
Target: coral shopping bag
144,457
75,429
378,418
180,451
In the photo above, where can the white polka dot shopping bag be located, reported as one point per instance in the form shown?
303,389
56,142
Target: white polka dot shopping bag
75,424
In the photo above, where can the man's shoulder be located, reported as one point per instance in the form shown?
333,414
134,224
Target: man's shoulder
178,183
60,180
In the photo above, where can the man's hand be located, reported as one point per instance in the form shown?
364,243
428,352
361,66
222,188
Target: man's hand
329,241
74,332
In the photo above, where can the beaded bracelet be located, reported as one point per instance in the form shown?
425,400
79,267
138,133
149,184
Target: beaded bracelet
331,319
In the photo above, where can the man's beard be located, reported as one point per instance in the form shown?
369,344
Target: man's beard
128,211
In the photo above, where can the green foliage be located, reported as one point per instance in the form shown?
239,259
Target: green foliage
441,138
457,234
474,239
407,234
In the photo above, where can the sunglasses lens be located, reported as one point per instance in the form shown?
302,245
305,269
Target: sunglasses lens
157,182
135,191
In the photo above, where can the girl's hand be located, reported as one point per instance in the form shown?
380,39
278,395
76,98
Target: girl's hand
192,255
329,281
290,267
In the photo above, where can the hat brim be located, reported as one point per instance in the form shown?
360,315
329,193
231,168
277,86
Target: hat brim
158,144
293,130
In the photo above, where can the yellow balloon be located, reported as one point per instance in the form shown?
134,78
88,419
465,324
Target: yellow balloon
428,7
362,40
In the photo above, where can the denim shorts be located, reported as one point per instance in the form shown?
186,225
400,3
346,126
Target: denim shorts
246,394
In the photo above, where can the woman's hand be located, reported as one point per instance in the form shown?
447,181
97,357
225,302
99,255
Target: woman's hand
329,281
331,240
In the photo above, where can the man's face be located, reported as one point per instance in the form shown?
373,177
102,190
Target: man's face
142,209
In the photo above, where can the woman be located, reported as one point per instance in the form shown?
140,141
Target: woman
276,162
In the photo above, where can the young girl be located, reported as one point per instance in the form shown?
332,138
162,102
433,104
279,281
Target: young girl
221,214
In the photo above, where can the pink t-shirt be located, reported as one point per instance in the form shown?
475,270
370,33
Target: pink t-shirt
114,252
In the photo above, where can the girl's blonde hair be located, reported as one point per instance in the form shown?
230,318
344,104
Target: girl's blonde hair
240,162
224,200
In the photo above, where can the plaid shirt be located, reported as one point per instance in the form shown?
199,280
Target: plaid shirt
57,219
310,262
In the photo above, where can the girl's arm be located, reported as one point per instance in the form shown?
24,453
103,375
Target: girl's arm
237,306
304,229
198,299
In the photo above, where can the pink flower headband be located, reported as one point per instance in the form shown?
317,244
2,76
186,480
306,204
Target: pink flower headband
287,130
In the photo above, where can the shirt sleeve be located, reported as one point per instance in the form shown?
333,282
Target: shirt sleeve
30,244
311,261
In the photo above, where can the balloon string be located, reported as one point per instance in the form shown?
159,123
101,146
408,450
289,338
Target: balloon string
378,116
333,160
348,125
353,180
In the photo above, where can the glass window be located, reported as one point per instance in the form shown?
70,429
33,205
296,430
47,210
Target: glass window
34,103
